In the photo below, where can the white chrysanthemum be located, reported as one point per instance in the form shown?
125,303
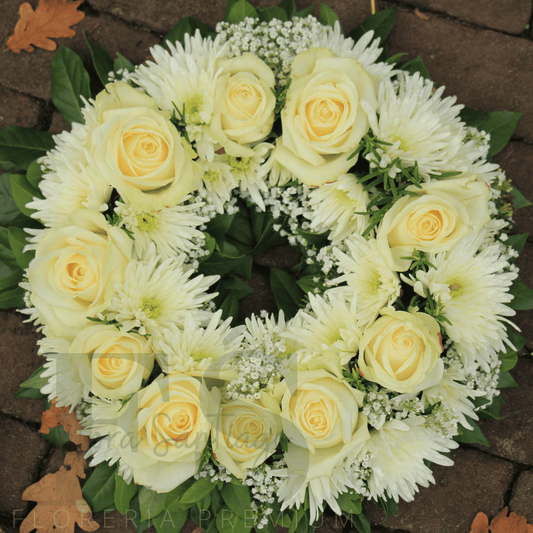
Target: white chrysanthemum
218,181
342,46
453,394
398,451
420,125
332,327
69,184
266,333
335,207
367,275
158,295
183,79
278,175
173,230
64,383
251,171
473,289
198,351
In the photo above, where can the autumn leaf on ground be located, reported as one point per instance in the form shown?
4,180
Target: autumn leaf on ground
60,416
51,19
60,503
501,524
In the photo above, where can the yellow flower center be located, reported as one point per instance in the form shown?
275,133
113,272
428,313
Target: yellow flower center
456,288
152,308
147,221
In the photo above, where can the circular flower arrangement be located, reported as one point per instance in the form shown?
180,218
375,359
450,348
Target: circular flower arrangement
393,329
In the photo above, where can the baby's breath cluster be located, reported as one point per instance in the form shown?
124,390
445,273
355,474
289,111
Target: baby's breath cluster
443,421
276,42
359,471
214,473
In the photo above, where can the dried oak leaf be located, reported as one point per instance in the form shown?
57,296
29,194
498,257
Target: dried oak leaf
60,416
60,503
501,524
52,18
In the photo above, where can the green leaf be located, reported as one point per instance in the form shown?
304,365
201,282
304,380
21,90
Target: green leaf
13,298
124,492
8,207
232,286
23,193
519,200
34,174
229,522
151,503
415,65
381,22
471,436
7,257
35,381
219,226
266,14
57,436
327,16
173,498
199,490
289,6
237,498
350,503
360,521
20,146
500,125
517,241
518,341
17,240
287,294
509,361
103,64
187,25
134,514
389,506
305,12
522,296
168,522
240,10
121,63
220,264
506,381
316,239
10,279
493,410
240,229
99,490
70,81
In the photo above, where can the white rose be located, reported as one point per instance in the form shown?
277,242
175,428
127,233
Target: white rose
244,104
443,213
140,152
111,364
401,351
164,429
246,434
75,269
323,121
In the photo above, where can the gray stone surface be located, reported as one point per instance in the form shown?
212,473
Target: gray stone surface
522,497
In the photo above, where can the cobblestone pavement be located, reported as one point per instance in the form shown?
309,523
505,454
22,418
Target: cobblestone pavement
482,51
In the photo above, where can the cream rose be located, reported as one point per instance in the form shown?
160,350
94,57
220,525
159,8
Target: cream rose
401,351
244,104
164,430
139,151
443,213
246,434
111,364
75,269
323,120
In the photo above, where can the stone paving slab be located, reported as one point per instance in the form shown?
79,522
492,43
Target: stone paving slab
476,482
19,109
522,497
487,70
510,16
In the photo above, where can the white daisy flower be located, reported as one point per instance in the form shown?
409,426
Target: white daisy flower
173,230
367,275
64,382
420,125
366,50
183,79
199,351
218,181
335,207
266,333
332,327
251,172
157,295
398,451
473,289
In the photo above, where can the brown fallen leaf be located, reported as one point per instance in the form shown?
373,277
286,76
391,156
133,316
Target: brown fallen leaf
60,503
51,19
501,523
60,416
421,15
